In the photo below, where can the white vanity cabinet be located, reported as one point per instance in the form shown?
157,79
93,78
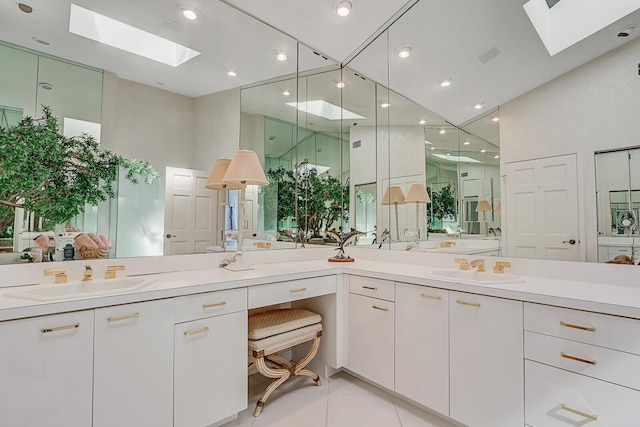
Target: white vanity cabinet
422,345
46,366
371,329
133,365
210,364
486,357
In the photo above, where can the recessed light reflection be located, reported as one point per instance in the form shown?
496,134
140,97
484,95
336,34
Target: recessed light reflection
340,85
497,156
433,148
190,14
442,131
422,122
446,81
466,143
404,52
231,73
343,8
285,92
483,151
385,105
281,56
495,119
478,105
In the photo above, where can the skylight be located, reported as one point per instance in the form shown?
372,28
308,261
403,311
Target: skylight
325,110
569,21
102,29
457,158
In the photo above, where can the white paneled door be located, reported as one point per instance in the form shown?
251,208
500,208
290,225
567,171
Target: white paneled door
541,209
190,212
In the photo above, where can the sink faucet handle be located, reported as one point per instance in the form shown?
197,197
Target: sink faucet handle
464,263
478,263
111,271
88,273
500,266
59,273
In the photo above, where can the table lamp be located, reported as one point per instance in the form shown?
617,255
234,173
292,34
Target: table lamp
215,183
483,206
244,169
394,196
418,194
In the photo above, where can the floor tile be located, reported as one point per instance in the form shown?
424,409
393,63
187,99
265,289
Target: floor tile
295,409
412,416
343,383
366,410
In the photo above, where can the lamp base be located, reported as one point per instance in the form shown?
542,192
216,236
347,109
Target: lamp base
344,259
238,266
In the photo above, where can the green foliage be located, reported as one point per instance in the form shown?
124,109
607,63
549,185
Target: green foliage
43,171
443,202
321,200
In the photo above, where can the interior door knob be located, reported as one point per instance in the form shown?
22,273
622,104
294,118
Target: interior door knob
169,236
571,242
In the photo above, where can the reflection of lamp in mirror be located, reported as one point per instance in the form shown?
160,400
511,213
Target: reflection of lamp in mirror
244,169
215,183
484,206
394,196
418,194
498,207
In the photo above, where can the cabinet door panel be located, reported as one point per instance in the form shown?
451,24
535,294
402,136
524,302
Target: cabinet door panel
486,345
422,345
210,369
133,368
46,368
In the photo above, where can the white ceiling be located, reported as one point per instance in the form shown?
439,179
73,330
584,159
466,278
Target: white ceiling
447,39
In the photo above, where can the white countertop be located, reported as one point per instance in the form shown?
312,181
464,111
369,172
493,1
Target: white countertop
622,300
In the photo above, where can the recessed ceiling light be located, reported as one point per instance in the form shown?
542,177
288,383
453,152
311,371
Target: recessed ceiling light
495,119
385,105
44,42
404,51
25,8
343,8
448,154
422,121
433,148
428,142
497,156
478,105
483,150
466,143
189,13
446,81
231,73
442,131
281,56
45,86
340,85
626,31
285,92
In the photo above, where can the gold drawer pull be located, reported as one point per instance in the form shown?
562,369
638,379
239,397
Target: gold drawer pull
293,291
582,414
216,304
578,359
371,288
196,332
60,328
379,308
582,328
118,319
471,304
431,296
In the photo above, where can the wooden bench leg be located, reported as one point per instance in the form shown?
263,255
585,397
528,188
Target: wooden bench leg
299,367
280,375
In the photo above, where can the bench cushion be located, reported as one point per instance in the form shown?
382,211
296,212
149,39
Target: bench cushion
275,322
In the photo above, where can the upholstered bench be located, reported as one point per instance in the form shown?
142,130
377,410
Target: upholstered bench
273,331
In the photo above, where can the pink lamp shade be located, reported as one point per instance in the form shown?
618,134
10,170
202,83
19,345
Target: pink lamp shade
483,206
217,174
418,194
393,195
245,168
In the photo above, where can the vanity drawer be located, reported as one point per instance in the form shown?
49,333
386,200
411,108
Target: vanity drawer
294,290
618,333
597,362
200,306
558,398
376,288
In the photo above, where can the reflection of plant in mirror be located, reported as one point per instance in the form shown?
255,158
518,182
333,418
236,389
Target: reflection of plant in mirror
322,200
443,204
365,197
43,171
7,219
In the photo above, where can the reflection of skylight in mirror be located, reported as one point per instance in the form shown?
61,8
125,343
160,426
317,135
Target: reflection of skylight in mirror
457,158
102,29
325,110
306,167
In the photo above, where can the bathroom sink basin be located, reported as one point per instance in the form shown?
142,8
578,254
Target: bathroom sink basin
474,277
53,292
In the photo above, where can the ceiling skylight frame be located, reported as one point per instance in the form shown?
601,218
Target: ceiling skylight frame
325,109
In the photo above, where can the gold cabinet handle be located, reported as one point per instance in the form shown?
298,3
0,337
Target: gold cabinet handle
196,332
371,288
582,414
431,296
471,304
294,291
578,359
127,317
582,328
379,308
60,328
215,304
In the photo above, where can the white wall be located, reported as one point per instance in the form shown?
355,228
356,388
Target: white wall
594,107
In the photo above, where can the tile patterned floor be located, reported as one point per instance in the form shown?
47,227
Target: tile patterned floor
342,401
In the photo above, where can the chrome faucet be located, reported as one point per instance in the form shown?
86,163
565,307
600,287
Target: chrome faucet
478,263
88,273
